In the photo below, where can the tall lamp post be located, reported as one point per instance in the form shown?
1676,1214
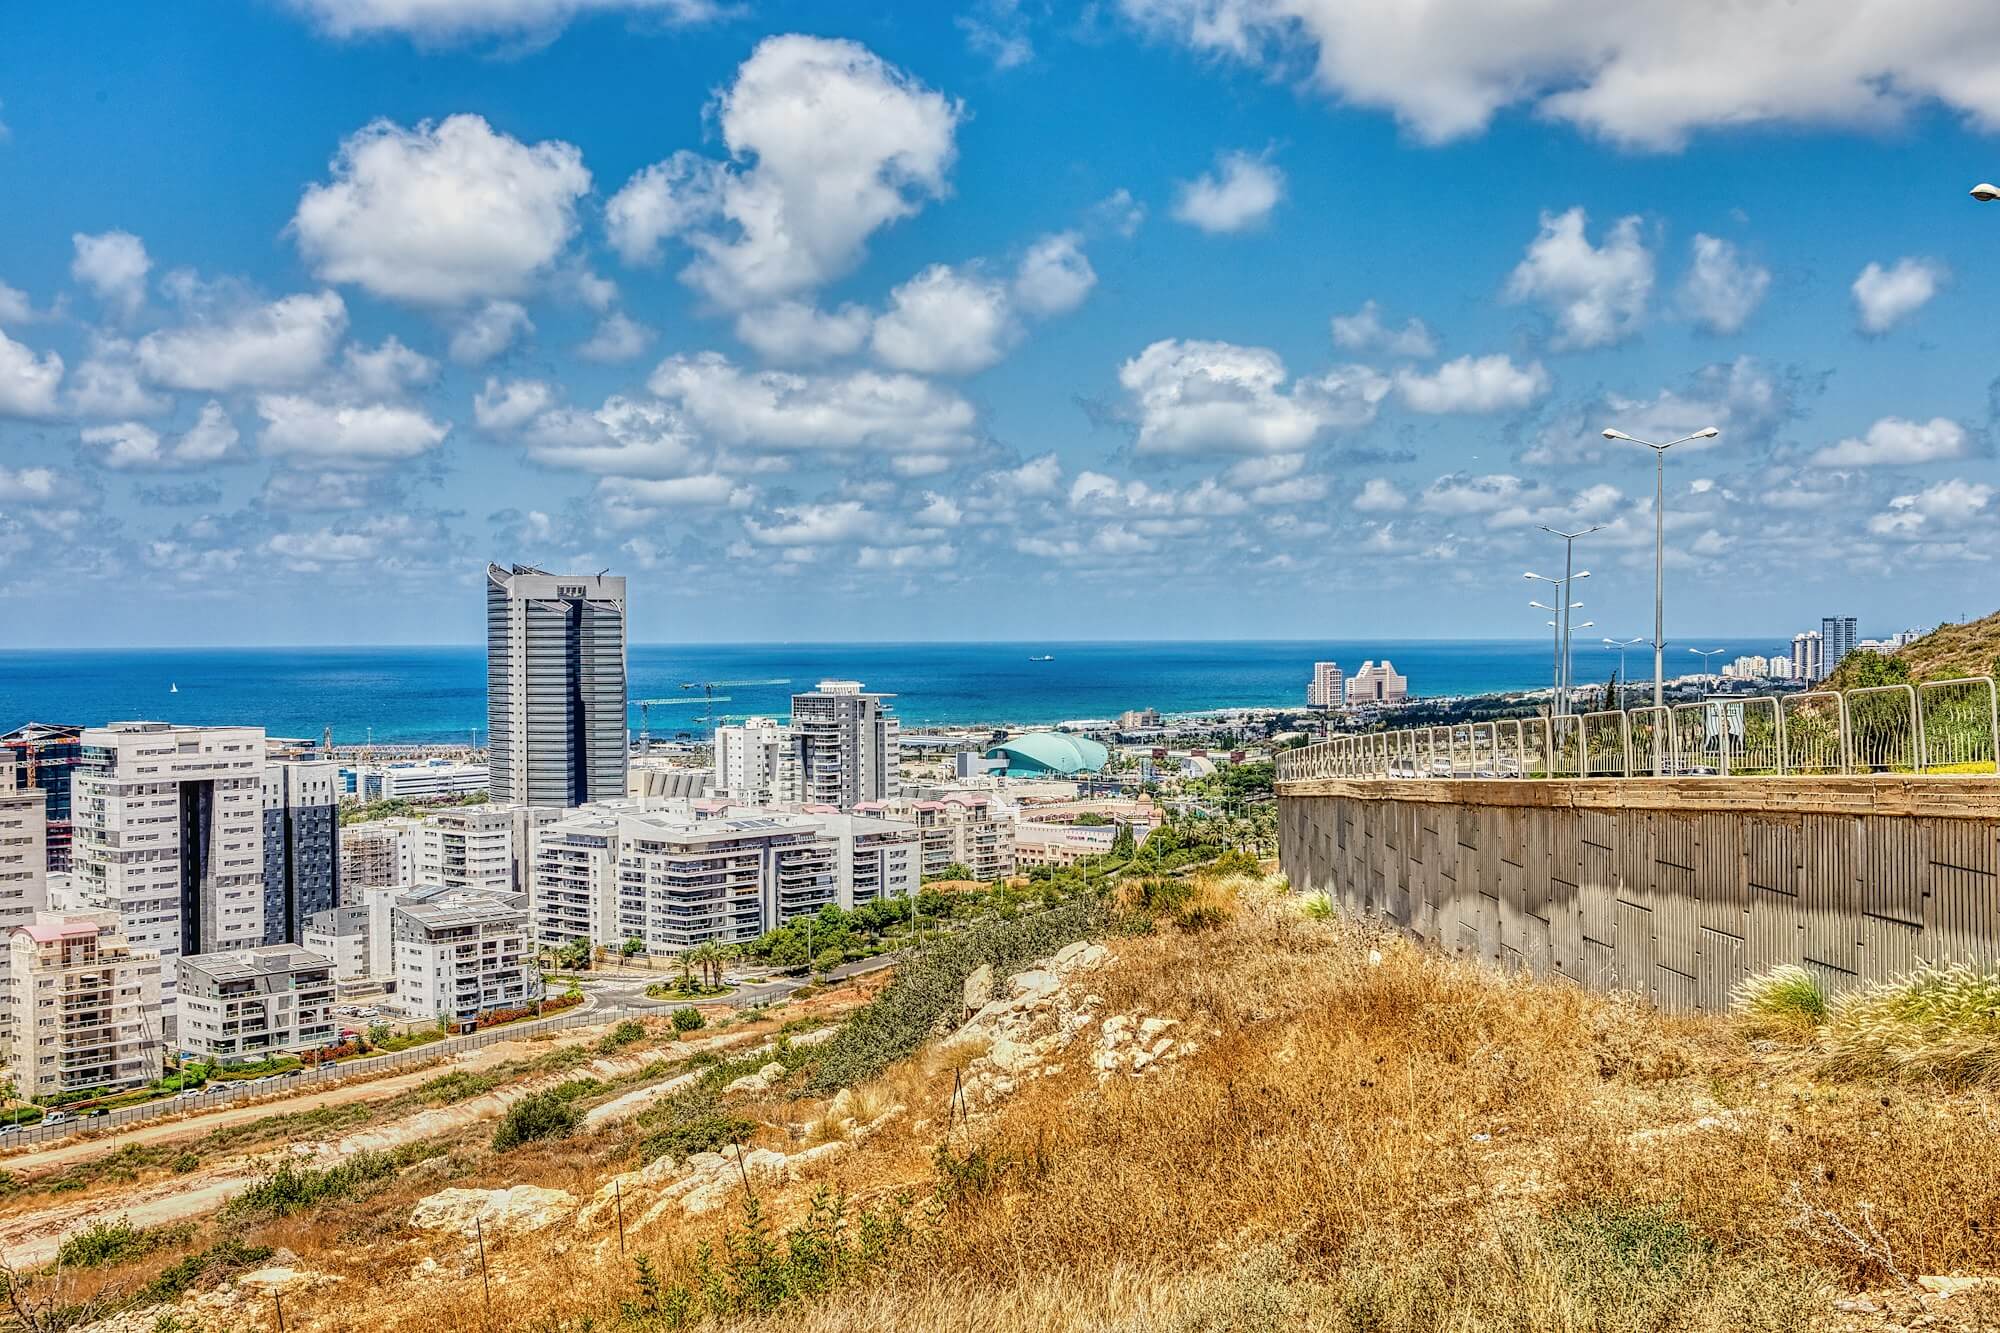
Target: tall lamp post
1555,658
1621,645
1562,609
1569,563
1705,654
1660,547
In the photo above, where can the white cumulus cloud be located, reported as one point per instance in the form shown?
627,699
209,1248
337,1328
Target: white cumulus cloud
283,343
945,321
1193,397
510,404
488,331
1364,331
827,143
28,382
1895,440
1885,297
114,265
1945,504
1722,289
129,444
797,333
1378,495
1055,275
1474,384
344,435
1644,76
1239,194
618,338
454,20
442,214
1596,294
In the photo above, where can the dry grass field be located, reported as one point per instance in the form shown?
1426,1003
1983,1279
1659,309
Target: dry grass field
1365,1137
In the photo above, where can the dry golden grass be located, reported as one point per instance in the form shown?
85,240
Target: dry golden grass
1409,1143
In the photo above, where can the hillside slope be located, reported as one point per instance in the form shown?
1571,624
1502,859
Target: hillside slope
1230,1113
1969,649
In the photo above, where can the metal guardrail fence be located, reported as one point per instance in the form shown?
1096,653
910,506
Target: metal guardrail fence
1938,727
225,1094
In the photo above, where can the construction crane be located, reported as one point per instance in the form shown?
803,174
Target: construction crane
646,706
708,690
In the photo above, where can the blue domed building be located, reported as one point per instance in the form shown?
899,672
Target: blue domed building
1049,754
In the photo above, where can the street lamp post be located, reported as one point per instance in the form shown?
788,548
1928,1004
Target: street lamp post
1569,563
1705,654
1562,630
1555,659
1621,645
1660,547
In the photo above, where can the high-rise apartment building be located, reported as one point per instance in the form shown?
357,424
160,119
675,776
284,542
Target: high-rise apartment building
1838,638
755,762
85,1006
24,882
469,848
969,829
555,686
1808,660
1326,690
44,758
170,836
301,844
845,741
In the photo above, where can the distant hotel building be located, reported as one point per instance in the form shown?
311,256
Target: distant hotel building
1325,690
1377,685
555,686
846,744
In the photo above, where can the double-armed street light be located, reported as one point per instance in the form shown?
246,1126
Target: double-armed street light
1705,654
1559,702
1621,645
1660,547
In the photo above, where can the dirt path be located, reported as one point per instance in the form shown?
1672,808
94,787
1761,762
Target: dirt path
197,1124
32,1237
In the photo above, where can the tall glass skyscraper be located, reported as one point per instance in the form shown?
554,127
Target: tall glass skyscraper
555,686
1837,639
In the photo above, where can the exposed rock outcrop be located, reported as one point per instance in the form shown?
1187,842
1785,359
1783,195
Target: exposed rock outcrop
496,1214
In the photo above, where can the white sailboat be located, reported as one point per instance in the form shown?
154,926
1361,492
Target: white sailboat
173,688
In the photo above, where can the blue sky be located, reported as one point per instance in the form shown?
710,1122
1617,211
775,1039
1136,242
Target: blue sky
1146,318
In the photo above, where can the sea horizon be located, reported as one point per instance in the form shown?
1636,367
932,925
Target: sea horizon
435,693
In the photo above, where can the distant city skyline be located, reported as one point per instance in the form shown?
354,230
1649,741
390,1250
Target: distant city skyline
1318,338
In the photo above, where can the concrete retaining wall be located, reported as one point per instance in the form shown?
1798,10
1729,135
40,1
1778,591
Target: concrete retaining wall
1675,887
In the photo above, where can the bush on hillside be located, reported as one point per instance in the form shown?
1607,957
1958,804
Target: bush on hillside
930,983
1937,1023
1786,999
541,1115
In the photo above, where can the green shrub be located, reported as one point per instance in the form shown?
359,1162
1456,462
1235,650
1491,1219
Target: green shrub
687,1018
541,1115
623,1034
1787,997
1316,907
222,1258
104,1242
930,983
457,1086
293,1188
756,1271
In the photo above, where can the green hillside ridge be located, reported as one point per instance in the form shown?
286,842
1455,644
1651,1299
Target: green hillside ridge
1949,651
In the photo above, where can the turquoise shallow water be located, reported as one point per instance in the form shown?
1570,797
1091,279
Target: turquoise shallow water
439,694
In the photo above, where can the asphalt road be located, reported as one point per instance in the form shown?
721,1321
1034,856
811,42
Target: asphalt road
630,991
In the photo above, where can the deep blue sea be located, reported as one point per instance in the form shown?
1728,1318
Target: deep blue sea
439,694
